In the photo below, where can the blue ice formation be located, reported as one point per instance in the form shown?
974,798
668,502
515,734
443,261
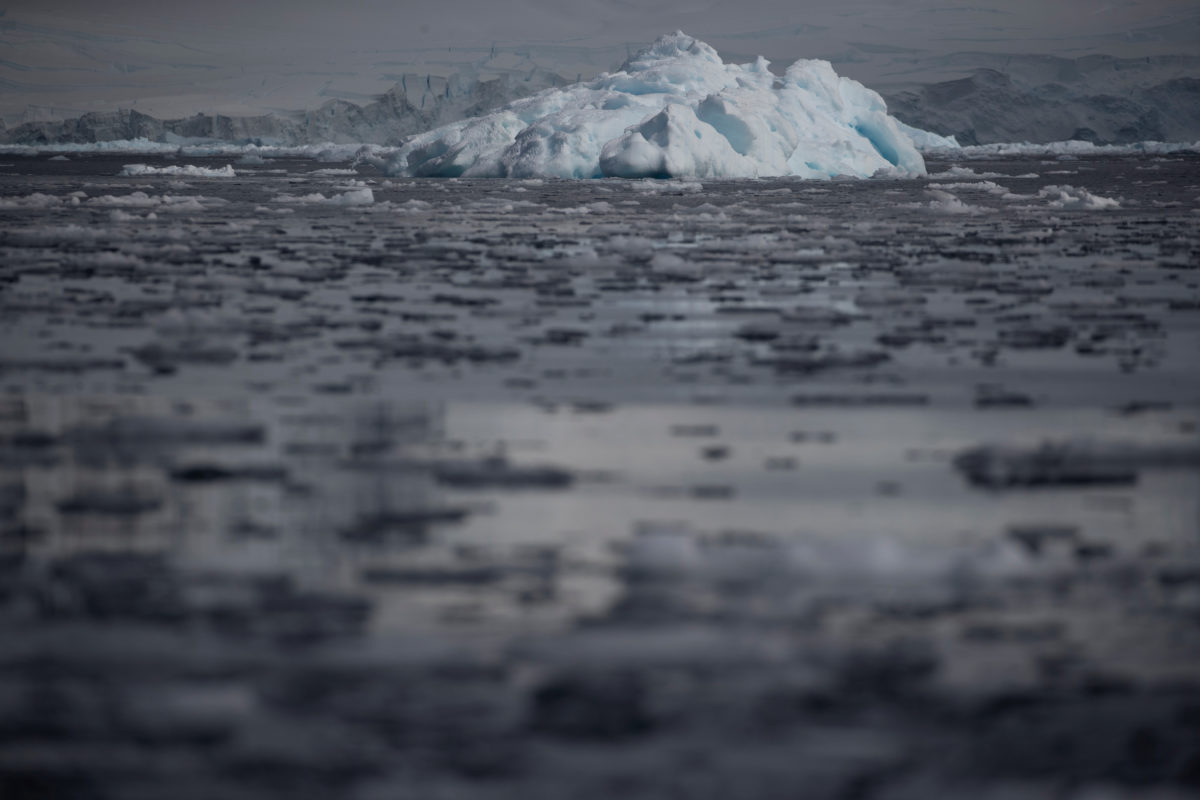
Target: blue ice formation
676,110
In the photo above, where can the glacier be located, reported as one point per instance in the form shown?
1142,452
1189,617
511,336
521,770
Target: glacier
677,110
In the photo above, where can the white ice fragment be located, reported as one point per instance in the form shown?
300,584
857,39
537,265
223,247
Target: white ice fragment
1073,197
598,207
35,200
133,200
355,197
662,549
963,173
191,171
946,203
666,187
117,215
670,263
413,206
991,187
165,202
1068,149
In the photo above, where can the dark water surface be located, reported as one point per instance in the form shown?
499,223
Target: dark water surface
720,489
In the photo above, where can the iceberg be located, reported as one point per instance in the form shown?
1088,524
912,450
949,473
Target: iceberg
677,110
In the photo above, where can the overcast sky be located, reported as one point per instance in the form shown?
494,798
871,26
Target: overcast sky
239,55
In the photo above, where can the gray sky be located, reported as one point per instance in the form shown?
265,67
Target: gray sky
65,56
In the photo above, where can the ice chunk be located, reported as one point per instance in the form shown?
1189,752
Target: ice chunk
947,203
186,170
1073,197
354,197
1069,148
673,110
1069,463
164,202
35,200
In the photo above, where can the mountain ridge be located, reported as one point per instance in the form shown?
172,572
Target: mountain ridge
985,98
387,120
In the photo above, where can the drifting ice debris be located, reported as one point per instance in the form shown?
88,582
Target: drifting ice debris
674,110
184,170
1037,538
149,432
820,362
412,523
113,586
206,472
1075,198
497,473
989,395
1067,463
435,576
167,359
362,196
65,364
861,400
1035,338
122,502
1049,464
12,497
593,705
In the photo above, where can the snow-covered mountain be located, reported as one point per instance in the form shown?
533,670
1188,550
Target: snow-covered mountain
977,97
415,104
1013,98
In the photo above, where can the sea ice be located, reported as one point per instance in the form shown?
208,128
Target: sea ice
35,200
187,170
1067,149
355,197
165,202
676,110
949,204
1074,197
944,202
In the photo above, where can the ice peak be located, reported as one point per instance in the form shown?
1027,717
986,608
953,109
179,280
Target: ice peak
668,47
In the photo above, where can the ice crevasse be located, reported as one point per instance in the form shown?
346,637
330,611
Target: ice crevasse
676,110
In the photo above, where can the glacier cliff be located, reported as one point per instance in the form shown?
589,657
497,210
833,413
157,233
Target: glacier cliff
676,110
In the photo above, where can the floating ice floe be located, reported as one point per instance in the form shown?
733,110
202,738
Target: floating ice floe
162,202
250,154
355,197
676,110
1064,149
947,203
1073,197
960,173
185,170
35,200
